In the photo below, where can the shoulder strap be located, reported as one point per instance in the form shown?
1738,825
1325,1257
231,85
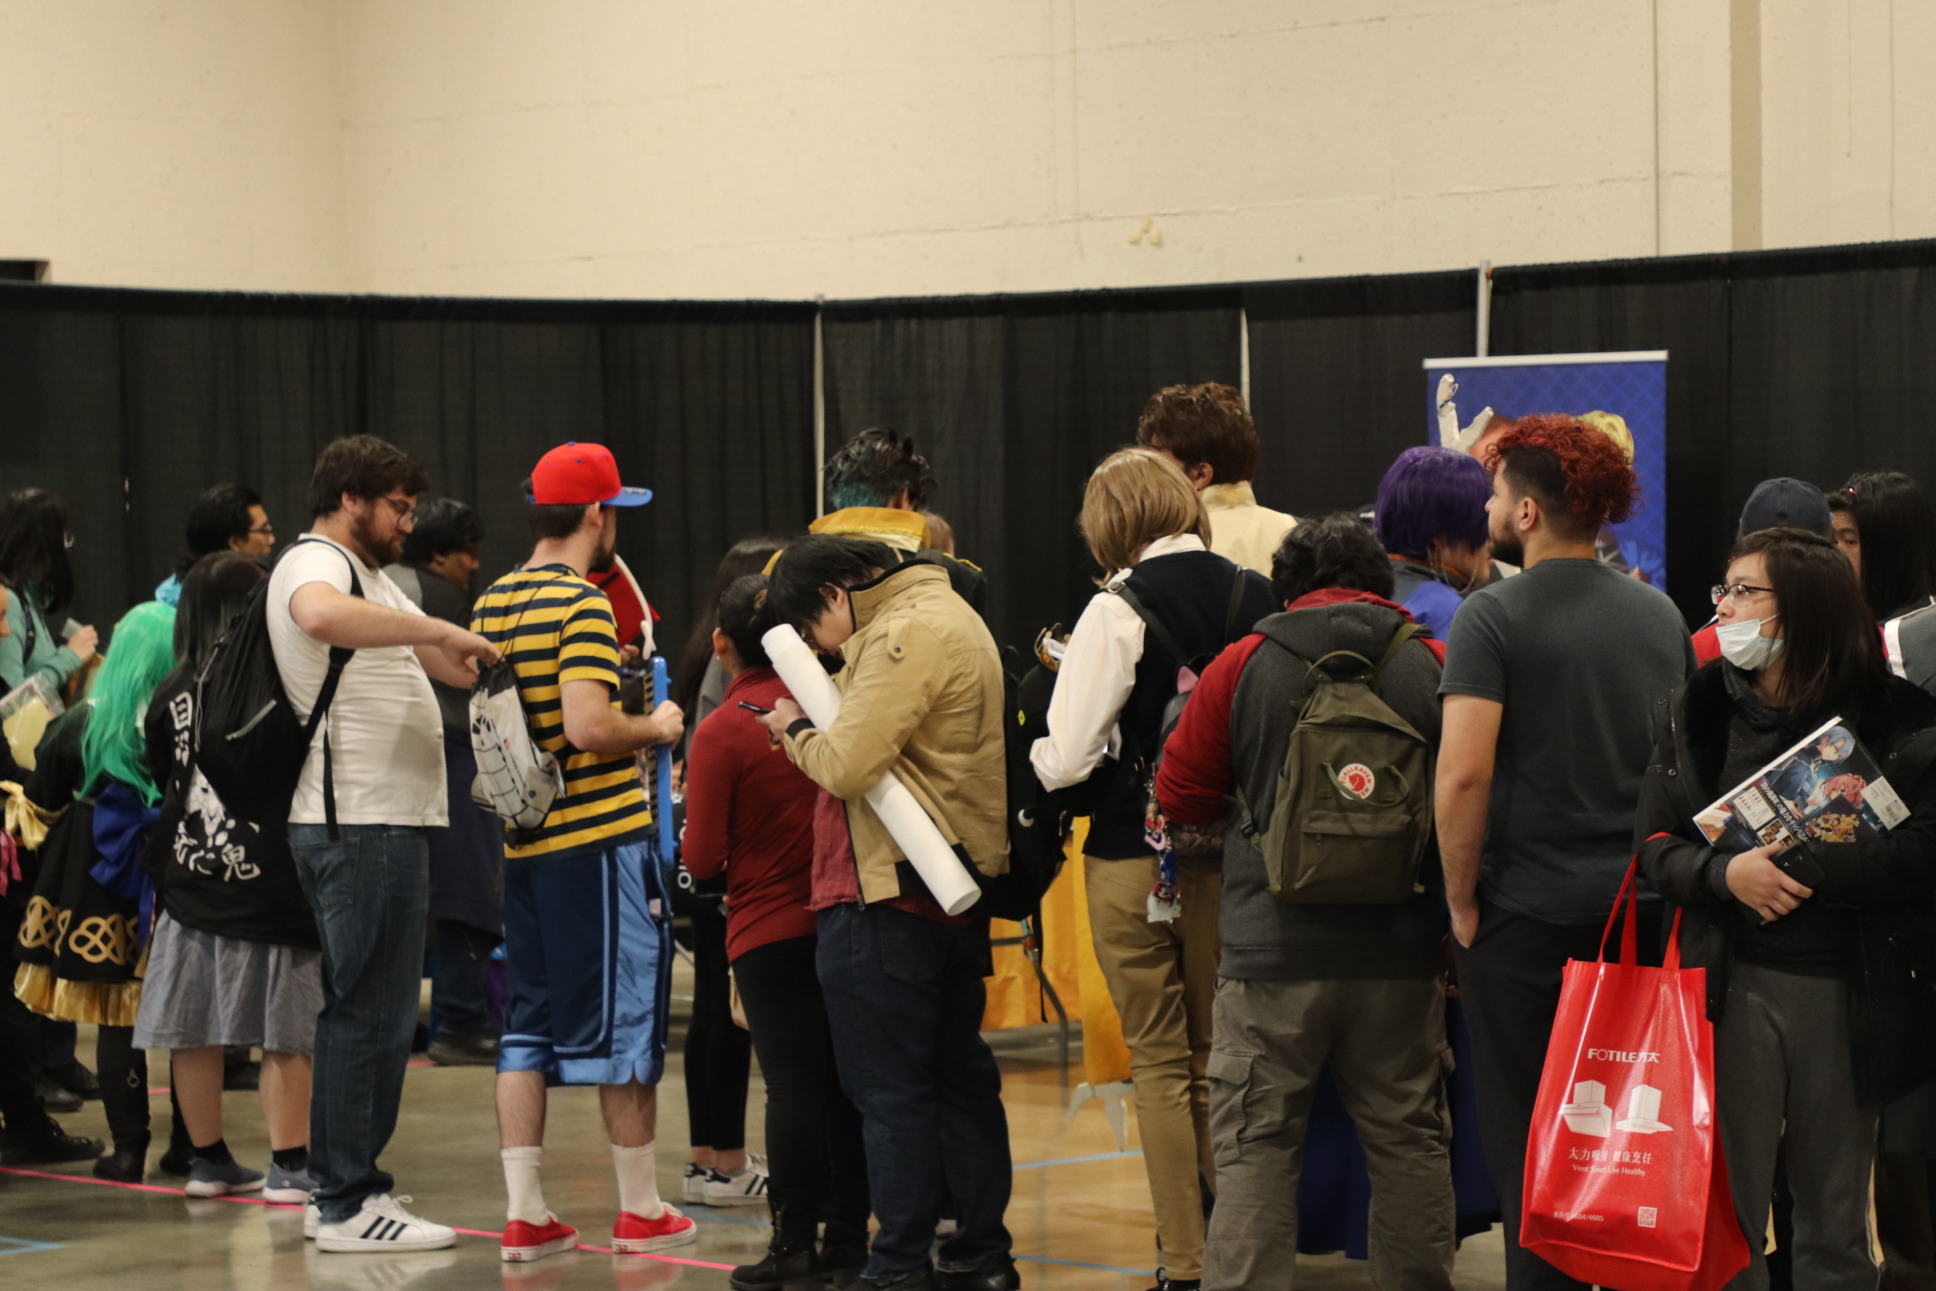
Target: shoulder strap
1155,625
1406,632
339,658
1236,603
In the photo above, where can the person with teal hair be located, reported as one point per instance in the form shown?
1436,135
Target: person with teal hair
81,943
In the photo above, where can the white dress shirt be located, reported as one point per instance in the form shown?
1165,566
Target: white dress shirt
1098,671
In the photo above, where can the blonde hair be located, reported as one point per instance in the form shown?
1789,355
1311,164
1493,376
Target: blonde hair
1614,427
1135,496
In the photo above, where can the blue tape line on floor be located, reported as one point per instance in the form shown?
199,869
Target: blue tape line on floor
21,1246
1079,1264
1100,1156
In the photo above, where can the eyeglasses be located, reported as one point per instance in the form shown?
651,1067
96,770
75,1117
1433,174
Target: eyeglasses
1722,591
270,529
406,512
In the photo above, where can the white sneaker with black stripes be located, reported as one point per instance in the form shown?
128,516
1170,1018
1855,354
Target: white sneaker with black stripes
384,1225
747,1188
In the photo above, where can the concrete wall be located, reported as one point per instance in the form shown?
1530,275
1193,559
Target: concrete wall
193,143
855,148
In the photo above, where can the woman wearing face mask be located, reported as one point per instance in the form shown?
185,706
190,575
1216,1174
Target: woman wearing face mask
1818,1016
1431,517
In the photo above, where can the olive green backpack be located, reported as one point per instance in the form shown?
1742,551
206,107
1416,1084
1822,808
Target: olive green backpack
1354,799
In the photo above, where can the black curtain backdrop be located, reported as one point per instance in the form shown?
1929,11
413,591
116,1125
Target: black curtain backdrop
1014,400
1335,382
130,403
1811,363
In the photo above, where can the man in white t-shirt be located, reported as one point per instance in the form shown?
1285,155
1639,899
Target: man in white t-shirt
372,787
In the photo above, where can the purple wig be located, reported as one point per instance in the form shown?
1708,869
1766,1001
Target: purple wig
1432,495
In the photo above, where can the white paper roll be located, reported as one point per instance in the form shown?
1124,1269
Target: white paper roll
907,822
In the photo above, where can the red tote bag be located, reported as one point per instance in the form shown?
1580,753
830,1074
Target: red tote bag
1625,1185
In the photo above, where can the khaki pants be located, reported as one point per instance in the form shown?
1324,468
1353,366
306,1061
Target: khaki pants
1163,979
1385,1043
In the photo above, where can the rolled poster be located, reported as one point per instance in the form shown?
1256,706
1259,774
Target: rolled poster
907,822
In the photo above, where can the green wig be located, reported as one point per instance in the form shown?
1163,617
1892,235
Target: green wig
142,655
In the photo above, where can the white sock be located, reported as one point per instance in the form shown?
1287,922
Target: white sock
522,1185
638,1180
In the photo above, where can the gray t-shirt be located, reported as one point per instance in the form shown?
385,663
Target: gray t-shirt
1577,653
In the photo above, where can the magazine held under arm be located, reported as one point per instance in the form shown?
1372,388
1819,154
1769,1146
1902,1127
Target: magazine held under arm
25,713
1827,788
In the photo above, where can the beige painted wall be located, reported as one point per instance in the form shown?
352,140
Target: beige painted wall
667,148
192,143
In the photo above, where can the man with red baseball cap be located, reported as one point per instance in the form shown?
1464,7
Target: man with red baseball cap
585,902
579,474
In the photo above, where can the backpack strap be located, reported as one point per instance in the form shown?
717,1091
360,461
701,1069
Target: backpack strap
1406,632
1162,634
1236,603
339,658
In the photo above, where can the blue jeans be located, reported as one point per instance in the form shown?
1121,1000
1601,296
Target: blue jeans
904,999
370,890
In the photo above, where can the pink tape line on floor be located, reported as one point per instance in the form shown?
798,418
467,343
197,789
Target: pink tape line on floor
276,1205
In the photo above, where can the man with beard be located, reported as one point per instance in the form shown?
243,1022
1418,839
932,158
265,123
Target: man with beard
1550,682
371,790
585,907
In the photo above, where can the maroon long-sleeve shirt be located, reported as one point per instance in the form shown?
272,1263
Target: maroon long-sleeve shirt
749,812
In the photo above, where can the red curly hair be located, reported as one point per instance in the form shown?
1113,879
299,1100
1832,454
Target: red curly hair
1559,459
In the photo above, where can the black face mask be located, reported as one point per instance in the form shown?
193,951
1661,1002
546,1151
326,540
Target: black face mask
833,663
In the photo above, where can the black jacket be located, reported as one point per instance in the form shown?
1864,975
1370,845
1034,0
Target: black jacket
1883,893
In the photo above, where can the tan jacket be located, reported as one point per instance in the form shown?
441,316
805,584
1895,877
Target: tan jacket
921,695
1240,530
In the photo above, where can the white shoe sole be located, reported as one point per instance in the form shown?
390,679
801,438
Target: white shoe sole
217,1188
526,1254
646,1245
287,1197
735,1199
348,1245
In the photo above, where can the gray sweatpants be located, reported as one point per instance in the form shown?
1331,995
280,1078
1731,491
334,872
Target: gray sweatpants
1385,1043
1782,1074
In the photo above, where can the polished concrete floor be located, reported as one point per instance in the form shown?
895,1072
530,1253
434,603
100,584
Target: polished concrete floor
1080,1214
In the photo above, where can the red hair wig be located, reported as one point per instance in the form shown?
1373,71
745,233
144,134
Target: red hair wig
1560,459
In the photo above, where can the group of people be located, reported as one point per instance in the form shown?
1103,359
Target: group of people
1558,719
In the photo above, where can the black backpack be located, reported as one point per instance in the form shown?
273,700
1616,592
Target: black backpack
1185,840
248,742
1038,821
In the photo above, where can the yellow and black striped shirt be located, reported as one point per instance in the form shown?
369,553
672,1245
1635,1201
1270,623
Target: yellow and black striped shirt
555,628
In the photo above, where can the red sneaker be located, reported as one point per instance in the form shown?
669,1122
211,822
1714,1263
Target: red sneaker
526,1242
633,1235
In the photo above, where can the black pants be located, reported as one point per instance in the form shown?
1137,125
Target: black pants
1509,988
719,1056
19,1039
460,994
815,1152
123,1072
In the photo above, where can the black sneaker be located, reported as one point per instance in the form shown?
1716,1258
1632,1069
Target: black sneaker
997,1274
464,1049
921,1279
56,1097
44,1142
842,1261
243,1076
1164,1282
792,1270
123,1165
75,1078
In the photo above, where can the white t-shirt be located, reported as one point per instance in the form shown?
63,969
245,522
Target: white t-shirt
386,736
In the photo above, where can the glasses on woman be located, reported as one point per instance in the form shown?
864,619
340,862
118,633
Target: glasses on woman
1733,591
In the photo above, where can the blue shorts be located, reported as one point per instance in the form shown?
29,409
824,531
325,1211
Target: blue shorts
589,948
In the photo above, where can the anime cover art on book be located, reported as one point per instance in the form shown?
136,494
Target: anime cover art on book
1827,788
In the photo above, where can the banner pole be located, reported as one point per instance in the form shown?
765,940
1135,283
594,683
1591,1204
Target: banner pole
1482,344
